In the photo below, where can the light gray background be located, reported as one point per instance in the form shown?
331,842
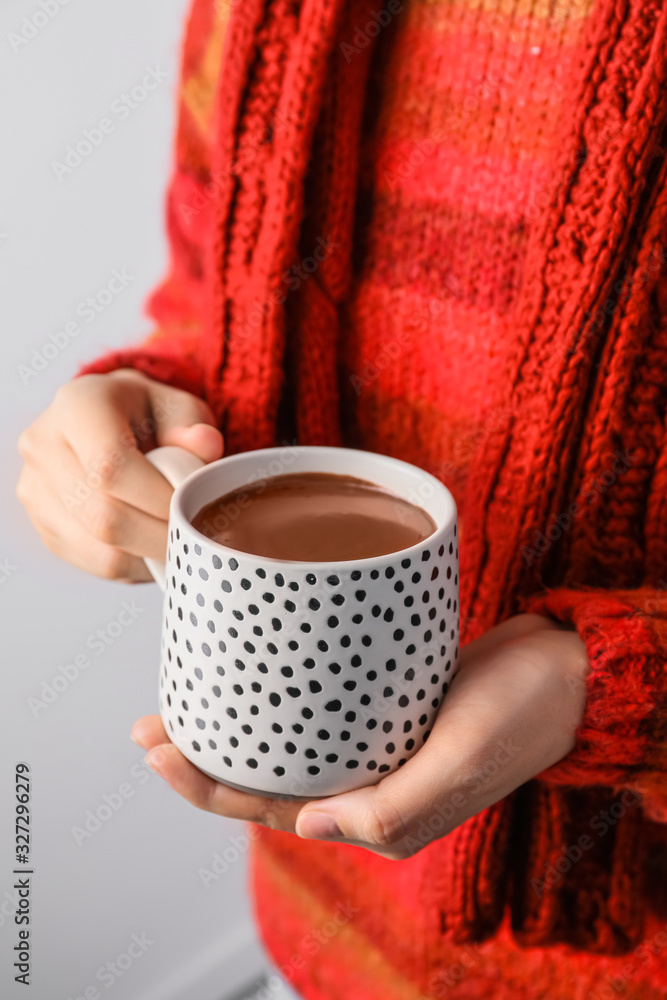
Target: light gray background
59,242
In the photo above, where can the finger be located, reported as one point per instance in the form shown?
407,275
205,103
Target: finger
65,537
184,420
483,745
73,544
511,628
205,792
202,440
106,518
99,430
383,818
148,731
443,780
213,796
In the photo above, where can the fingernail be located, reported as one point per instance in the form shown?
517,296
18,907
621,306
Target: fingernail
318,826
153,763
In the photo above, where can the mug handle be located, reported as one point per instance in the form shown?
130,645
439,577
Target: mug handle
175,464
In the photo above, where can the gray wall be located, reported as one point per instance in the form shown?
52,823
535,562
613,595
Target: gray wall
59,241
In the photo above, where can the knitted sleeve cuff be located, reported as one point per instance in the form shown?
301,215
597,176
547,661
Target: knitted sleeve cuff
163,361
622,739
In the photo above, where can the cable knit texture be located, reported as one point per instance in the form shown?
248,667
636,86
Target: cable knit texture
438,230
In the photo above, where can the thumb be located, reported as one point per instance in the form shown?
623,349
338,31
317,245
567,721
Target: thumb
436,790
386,817
202,439
188,422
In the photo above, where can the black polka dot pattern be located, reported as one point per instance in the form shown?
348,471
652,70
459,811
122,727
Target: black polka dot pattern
325,680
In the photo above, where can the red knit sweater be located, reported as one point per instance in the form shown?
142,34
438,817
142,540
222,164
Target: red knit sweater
486,184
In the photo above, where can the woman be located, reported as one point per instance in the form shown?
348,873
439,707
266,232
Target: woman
485,186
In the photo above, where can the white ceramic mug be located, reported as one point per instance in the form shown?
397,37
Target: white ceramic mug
303,679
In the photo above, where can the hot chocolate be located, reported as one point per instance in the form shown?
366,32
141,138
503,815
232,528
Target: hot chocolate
314,517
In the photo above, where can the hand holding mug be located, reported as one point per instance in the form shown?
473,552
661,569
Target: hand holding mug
510,714
86,484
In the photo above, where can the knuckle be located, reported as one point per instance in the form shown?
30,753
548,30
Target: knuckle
78,385
63,391
163,754
383,824
169,402
104,520
69,391
107,466
269,814
77,396
22,492
25,443
29,494
201,412
123,374
112,564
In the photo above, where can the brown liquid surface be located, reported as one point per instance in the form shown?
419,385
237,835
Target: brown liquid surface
314,517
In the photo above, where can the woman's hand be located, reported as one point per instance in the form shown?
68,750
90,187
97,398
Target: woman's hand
511,712
89,491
